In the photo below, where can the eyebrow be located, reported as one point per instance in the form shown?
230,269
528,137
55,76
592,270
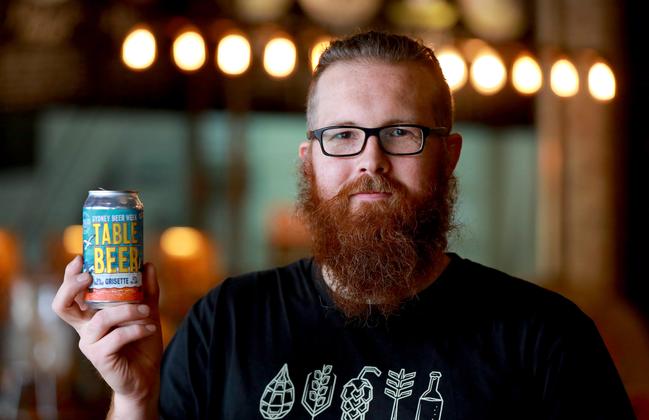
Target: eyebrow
391,121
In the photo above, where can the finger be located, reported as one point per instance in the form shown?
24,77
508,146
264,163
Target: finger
80,299
103,321
114,341
74,284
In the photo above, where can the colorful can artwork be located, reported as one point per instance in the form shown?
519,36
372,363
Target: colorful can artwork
113,247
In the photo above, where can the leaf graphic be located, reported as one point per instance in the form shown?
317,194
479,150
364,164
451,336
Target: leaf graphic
398,386
392,384
317,393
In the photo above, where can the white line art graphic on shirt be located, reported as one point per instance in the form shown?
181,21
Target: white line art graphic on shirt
398,386
431,401
318,390
278,397
357,395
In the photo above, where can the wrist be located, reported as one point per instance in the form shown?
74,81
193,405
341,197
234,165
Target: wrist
123,407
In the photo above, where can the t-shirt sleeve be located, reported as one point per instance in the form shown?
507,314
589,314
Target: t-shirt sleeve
184,379
580,379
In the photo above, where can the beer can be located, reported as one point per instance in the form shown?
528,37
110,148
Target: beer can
113,247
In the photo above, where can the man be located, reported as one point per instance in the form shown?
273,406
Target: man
382,323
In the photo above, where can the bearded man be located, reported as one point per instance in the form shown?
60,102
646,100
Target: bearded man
382,322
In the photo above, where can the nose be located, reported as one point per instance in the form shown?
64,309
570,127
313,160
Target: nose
373,160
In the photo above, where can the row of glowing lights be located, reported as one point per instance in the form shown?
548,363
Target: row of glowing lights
488,75
233,53
179,242
487,72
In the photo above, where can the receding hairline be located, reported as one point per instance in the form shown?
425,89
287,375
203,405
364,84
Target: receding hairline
436,86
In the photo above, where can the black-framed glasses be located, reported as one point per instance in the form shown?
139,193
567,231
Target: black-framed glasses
397,139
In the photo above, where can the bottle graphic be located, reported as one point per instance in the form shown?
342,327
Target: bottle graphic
431,401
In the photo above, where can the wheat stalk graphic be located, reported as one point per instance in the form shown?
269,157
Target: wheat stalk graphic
399,386
317,391
357,395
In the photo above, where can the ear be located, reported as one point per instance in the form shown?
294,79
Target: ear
304,149
453,144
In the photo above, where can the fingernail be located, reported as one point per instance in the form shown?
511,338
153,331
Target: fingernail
83,278
143,309
150,327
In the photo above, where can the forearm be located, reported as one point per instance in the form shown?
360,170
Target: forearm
143,409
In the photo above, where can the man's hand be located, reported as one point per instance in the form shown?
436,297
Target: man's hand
123,342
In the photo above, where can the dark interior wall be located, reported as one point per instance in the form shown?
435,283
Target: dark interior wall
634,92
17,140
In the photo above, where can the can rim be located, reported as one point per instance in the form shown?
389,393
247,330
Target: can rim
101,191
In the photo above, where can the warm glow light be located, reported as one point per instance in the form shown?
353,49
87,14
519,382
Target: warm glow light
279,57
488,73
453,67
73,239
601,82
317,50
564,79
233,54
472,47
526,75
182,242
189,51
9,257
139,49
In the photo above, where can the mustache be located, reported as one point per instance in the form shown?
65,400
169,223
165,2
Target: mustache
371,184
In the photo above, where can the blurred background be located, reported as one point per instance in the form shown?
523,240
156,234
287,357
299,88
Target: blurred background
199,106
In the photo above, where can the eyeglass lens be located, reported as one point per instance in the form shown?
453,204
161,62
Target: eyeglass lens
397,140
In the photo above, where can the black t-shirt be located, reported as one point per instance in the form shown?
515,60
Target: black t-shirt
476,344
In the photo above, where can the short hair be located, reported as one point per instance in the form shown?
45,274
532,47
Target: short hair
374,46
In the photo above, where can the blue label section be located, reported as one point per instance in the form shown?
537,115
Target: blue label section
113,246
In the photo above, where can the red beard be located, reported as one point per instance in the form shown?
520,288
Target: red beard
381,254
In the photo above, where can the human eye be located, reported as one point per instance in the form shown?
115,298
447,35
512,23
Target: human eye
340,134
398,132
403,133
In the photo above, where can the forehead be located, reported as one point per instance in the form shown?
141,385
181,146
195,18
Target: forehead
374,93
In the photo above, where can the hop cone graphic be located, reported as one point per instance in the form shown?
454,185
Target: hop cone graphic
357,395
278,397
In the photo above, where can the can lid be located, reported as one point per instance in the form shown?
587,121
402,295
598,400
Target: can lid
101,191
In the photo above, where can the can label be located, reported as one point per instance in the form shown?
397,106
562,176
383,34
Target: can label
112,253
